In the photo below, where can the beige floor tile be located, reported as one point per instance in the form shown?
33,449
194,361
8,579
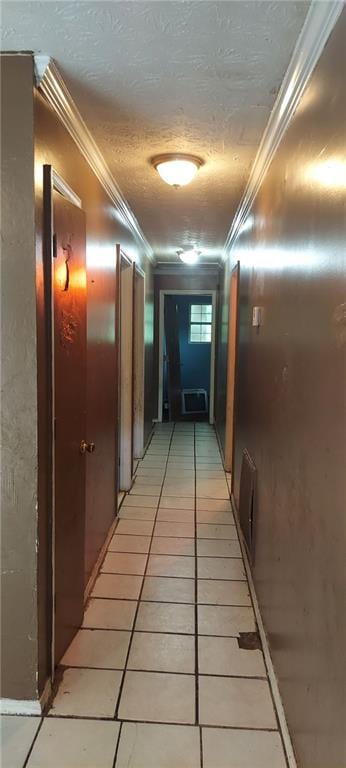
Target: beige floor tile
217,548
215,518
137,513
220,568
234,748
123,543
214,592
212,489
165,617
172,546
210,474
158,697
109,614
171,565
66,743
97,648
168,590
180,474
158,746
178,491
224,620
141,501
235,702
145,490
222,656
208,465
149,476
216,532
135,527
119,587
176,530
162,653
214,505
180,462
17,735
174,502
154,463
124,562
87,693
176,515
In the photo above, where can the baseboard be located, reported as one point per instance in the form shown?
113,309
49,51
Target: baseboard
20,707
266,651
97,566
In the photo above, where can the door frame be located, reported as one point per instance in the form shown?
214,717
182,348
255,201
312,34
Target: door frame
173,292
232,358
138,361
126,376
52,181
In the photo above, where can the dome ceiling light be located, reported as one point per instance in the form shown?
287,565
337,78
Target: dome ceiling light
177,169
189,257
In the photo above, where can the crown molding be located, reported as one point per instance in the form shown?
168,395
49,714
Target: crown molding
319,23
53,87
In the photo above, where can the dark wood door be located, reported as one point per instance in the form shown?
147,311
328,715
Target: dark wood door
173,357
69,413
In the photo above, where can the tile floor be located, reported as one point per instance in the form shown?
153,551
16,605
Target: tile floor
155,678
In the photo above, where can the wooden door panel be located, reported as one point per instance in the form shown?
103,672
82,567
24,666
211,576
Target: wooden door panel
69,376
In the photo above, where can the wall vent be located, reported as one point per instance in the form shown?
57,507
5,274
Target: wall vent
247,502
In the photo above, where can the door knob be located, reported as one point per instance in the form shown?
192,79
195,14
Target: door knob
85,446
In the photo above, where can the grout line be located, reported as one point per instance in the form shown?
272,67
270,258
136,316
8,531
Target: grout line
140,594
196,586
117,745
158,722
172,602
33,743
201,746
166,576
165,672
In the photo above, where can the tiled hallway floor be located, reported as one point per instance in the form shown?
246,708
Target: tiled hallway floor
156,678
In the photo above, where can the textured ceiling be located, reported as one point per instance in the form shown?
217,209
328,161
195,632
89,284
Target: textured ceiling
152,77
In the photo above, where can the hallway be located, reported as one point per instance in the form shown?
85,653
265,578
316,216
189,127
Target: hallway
161,640
173,179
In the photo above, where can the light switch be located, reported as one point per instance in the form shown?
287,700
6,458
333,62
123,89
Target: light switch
256,317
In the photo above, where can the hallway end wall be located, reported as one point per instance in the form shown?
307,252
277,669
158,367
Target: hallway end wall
180,280
291,407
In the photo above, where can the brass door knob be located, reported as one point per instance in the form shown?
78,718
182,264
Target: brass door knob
85,446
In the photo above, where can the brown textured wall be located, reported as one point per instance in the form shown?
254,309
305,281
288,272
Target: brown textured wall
291,408
18,382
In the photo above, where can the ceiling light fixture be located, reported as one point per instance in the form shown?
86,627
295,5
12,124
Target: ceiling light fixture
176,169
189,257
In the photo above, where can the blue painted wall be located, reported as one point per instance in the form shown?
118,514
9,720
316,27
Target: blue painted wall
195,358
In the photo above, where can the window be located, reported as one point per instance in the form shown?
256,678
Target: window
200,323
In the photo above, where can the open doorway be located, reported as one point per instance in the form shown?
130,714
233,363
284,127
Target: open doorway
232,369
186,355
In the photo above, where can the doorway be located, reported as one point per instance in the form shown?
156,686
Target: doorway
231,369
126,371
186,355
65,290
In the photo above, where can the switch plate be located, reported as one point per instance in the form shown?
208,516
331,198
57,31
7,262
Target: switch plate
256,316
